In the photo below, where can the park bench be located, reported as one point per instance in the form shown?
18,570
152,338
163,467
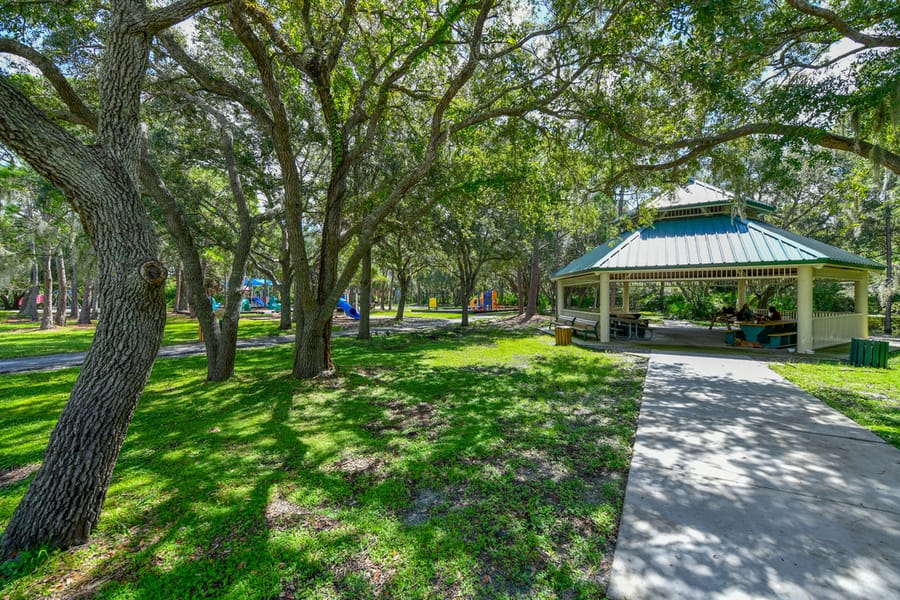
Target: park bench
585,327
562,322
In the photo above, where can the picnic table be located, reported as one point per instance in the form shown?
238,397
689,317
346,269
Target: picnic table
629,325
774,334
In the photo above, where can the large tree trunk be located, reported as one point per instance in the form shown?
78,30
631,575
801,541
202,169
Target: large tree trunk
401,302
62,305
179,288
534,280
312,353
47,313
365,297
520,289
62,505
95,301
29,303
84,316
390,292
228,329
73,313
192,266
287,280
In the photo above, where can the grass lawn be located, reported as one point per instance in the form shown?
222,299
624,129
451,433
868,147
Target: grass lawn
871,397
482,463
25,338
419,314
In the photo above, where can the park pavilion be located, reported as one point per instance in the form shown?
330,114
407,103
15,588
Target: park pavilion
701,233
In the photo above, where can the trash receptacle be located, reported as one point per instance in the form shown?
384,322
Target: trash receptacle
869,353
563,335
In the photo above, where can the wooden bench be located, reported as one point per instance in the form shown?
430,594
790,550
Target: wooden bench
585,327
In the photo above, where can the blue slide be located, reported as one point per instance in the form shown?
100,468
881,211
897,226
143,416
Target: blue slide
348,310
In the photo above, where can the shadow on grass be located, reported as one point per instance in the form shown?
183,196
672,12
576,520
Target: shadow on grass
400,476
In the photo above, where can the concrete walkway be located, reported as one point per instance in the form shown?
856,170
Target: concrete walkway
743,486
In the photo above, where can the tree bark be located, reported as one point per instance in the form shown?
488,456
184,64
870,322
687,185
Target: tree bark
312,353
390,292
365,297
73,314
179,285
29,303
62,505
84,316
534,280
47,312
287,280
62,305
404,290
520,289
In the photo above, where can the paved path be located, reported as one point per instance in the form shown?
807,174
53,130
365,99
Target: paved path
743,486
51,362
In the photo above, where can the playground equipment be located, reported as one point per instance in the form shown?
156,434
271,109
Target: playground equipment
347,308
484,302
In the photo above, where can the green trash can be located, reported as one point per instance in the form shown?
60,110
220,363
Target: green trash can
869,353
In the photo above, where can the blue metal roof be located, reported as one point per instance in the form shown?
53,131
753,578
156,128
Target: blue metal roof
715,241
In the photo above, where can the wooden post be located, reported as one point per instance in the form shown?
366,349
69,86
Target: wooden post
626,297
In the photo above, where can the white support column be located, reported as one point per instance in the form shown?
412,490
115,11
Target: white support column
741,293
560,298
626,297
861,304
804,309
604,307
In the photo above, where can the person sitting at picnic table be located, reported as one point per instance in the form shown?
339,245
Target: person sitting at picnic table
745,314
774,315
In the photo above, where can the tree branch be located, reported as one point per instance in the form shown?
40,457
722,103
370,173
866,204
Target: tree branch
166,16
812,135
215,84
82,113
844,28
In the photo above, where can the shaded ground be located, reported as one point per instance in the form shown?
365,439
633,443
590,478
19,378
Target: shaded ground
447,463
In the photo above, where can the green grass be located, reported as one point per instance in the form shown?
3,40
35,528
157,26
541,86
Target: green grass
25,338
474,464
419,314
871,397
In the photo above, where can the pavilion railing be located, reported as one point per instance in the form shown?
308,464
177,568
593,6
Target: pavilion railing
833,328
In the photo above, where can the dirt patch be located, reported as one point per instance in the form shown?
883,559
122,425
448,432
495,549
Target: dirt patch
282,515
353,466
14,475
361,567
411,420
540,467
427,503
